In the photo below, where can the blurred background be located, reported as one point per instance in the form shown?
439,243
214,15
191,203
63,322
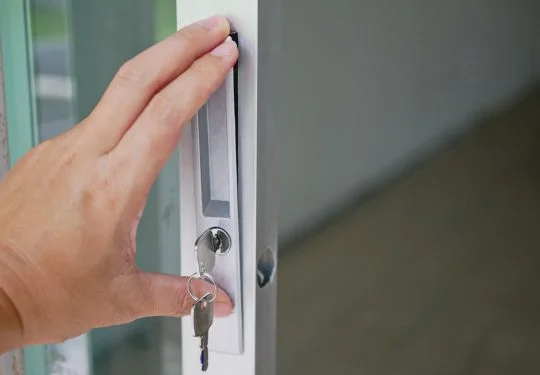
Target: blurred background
409,177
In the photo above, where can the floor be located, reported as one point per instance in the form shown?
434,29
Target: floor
438,274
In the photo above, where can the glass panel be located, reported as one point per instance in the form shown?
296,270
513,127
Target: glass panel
78,46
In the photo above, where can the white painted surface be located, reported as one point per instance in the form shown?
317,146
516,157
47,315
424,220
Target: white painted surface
71,357
12,363
369,85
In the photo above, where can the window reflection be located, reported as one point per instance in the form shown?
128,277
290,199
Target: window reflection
52,66
77,48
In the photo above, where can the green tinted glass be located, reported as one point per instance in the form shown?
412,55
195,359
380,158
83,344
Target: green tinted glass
77,47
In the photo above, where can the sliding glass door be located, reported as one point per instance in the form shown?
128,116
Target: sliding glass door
60,56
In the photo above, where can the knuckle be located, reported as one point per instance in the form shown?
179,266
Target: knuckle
134,305
205,77
183,304
147,304
128,75
187,39
163,110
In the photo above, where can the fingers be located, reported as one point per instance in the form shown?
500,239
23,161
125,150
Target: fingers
140,78
167,295
151,140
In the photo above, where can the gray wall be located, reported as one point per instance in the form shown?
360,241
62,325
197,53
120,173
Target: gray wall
370,85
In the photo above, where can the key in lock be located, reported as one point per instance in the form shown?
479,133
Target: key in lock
213,241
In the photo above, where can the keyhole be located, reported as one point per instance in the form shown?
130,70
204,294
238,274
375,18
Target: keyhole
217,242
221,241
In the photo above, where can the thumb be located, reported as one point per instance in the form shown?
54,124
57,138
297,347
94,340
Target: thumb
167,295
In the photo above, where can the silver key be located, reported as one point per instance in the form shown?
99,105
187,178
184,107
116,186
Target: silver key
213,241
205,255
203,317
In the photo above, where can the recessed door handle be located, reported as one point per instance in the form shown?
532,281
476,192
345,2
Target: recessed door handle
216,194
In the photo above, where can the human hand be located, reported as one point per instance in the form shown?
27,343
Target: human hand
70,208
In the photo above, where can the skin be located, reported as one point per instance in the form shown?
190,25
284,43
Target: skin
71,206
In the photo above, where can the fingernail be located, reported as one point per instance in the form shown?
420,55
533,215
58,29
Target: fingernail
211,23
224,49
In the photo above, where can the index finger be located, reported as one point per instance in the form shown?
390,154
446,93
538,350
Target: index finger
146,147
139,79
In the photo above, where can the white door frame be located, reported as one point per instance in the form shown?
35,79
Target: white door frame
256,23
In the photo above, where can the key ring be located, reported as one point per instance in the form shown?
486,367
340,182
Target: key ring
202,276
